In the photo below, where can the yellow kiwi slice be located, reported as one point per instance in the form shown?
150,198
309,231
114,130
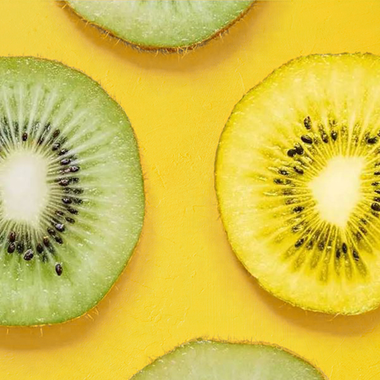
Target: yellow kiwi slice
298,182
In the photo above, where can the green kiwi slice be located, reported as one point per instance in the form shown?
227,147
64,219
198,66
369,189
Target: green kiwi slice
205,360
71,192
157,24
298,182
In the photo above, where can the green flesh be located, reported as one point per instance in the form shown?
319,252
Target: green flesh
162,23
39,97
227,361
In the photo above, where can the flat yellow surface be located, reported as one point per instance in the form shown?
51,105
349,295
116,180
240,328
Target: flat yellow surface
183,281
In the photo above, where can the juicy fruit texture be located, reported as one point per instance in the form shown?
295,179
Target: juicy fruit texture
71,192
162,23
298,182
206,360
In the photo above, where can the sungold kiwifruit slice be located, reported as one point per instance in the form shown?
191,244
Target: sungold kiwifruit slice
162,24
298,182
71,192
206,360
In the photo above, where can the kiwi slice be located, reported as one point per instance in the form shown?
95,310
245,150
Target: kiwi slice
298,182
168,24
71,192
205,360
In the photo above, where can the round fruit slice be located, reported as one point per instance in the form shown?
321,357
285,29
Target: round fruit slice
298,182
71,192
205,360
162,23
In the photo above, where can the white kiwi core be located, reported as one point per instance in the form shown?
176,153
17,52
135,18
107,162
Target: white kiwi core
337,189
23,186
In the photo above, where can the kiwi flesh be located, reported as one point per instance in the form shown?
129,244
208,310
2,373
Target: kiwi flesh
207,360
298,182
162,24
71,192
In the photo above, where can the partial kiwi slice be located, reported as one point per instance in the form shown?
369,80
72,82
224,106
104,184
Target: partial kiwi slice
157,24
206,360
298,182
71,192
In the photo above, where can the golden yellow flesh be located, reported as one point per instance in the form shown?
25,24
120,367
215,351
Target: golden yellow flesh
298,182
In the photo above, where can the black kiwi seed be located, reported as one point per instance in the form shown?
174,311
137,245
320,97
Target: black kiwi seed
283,172
46,241
375,206
376,199
355,255
65,161
307,122
59,240
24,136
298,209
62,152
12,237
64,171
280,181
67,201
299,242
291,152
20,247
59,213
77,201
39,248
337,253
334,135
344,248
28,255
11,248
74,169
299,149
55,146
64,182
324,137
375,184
298,170
51,231
72,211
56,133
377,173
59,227
371,140
58,269
70,220
307,139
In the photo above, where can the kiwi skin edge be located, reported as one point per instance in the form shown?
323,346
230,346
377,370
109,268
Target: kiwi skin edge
24,327
267,290
245,341
142,48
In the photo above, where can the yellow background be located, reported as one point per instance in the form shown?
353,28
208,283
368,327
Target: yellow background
183,281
